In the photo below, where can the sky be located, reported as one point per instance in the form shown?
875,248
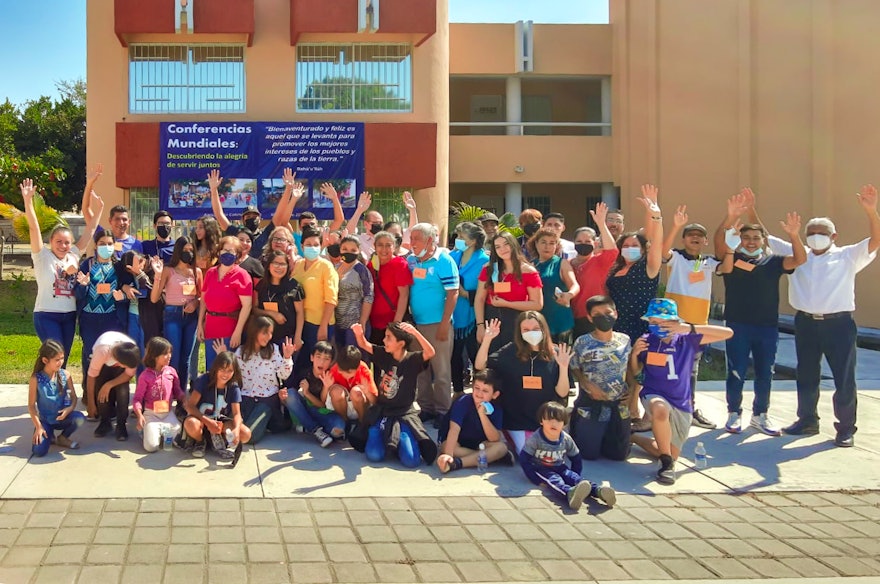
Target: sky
41,47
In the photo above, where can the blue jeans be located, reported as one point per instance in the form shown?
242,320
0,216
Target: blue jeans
59,326
210,353
407,448
311,418
180,330
68,426
310,338
761,343
92,326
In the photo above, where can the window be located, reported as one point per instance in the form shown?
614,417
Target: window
186,79
354,77
541,203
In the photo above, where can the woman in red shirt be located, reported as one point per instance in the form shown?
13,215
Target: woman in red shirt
508,285
392,279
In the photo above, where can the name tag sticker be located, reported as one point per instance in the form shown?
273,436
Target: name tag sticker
71,270
658,359
744,265
273,306
420,273
189,289
104,288
161,406
695,277
117,246
501,287
531,382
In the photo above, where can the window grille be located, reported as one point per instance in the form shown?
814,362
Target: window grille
186,79
541,203
354,77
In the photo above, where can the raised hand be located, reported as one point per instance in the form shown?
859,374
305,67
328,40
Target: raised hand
214,179
298,191
329,191
287,348
82,279
493,329
96,203
748,198
600,213
96,173
157,264
219,346
736,205
408,201
364,202
649,195
358,330
868,197
27,190
563,355
792,224
288,177
640,346
680,219
408,328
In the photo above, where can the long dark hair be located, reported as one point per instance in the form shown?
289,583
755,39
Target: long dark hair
516,258
256,325
179,244
620,261
523,349
48,350
157,347
268,258
212,236
222,361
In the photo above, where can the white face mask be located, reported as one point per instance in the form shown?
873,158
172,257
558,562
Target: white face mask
818,242
533,338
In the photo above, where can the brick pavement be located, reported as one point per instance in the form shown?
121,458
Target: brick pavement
454,539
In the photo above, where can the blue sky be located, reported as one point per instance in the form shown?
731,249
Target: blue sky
41,47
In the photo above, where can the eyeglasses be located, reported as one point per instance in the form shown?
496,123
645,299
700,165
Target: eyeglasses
280,240
277,265
614,221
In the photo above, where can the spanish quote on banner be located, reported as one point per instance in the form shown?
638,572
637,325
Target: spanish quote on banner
251,157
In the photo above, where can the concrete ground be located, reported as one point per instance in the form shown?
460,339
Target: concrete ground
788,507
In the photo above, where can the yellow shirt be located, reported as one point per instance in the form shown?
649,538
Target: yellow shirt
321,286
690,285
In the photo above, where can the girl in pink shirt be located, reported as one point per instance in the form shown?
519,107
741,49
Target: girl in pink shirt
156,386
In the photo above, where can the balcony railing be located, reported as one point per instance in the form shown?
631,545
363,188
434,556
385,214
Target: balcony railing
521,127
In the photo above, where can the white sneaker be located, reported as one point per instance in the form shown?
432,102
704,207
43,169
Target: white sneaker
734,423
323,438
762,422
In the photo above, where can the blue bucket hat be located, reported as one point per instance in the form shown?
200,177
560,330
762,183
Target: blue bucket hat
662,308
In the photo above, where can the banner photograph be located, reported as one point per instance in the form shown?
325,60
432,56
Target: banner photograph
251,157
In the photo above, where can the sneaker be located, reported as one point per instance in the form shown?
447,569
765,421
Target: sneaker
577,494
762,422
121,432
323,438
198,450
802,428
641,425
701,421
218,444
607,495
65,442
666,474
734,423
183,441
103,428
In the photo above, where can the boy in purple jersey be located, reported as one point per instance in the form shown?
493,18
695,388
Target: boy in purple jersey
667,355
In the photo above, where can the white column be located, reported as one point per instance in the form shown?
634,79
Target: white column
513,198
514,105
606,105
609,196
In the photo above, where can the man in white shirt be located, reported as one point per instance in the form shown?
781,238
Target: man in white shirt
823,293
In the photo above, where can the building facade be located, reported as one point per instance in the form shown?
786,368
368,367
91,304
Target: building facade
701,98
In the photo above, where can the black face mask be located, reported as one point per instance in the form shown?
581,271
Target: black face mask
333,250
252,223
349,257
163,231
187,257
375,228
604,322
531,228
583,249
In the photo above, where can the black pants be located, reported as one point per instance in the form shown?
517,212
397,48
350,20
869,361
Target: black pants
466,345
151,318
601,428
835,338
118,399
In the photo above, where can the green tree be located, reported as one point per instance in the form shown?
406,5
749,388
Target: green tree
339,93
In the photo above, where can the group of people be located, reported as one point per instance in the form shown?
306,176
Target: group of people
368,331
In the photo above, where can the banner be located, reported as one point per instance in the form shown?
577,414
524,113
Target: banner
251,157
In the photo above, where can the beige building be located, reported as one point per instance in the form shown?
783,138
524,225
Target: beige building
700,97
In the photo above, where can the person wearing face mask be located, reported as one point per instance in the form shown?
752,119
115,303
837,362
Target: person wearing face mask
600,422
530,223
469,257
822,292
751,283
162,246
226,300
150,313
591,264
373,223
633,278
355,298
532,371
250,217
320,284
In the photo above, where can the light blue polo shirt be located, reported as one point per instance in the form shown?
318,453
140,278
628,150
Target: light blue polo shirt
427,297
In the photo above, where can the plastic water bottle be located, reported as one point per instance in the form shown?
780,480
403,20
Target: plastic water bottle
230,437
700,461
167,437
162,437
482,461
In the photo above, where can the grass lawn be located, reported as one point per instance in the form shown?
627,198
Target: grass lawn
18,341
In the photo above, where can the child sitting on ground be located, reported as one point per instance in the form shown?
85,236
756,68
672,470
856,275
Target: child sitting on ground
307,406
52,401
472,420
156,386
667,355
353,389
543,460
393,421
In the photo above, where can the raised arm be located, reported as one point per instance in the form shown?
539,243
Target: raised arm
292,193
427,348
91,179
214,180
410,205
599,216
654,229
868,200
492,330
97,209
27,195
338,216
679,220
736,207
364,202
360,339
792,226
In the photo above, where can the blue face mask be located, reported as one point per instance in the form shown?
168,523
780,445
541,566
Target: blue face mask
751,254
632,254
311,252
658,332
105,251
460,244
227,258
